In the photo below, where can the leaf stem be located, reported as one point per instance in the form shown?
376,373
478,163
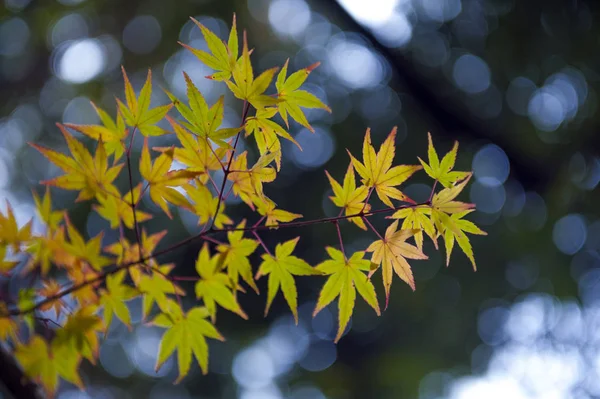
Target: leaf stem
372,228
226,171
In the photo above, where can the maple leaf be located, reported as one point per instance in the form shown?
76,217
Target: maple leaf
205,205
441,171
377,171
10,232
235,256
266,131
84,173
6,266
349,197
186,333
80,333
345,277
137,112
45,364
117,210
113,299
87,294
390,254
112,134
162,181
245,86
200,119
268,209
155,288
417,217
291,99
221,58
50,289
248,183
215,287
197,153
281,268
85,251
447,216
44,208
9,327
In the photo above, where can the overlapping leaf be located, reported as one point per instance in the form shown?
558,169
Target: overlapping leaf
215,287
346,277
281,269
377,172
350,198
390,255
84,173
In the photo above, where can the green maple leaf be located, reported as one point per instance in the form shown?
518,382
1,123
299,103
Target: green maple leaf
346,277
200,119
155,288
215,287
291,99
442,170
235,256
186,333
45,363
221,58
447,215
113,299
137,112
281,268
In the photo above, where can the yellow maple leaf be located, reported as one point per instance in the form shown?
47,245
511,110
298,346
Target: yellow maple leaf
84,173
390,254
350,198
291,99
377,172
137,112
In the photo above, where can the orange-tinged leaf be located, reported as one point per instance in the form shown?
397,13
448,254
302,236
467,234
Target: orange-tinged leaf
84,173
281,268
9,326
186,334
377,172
390,254
345,278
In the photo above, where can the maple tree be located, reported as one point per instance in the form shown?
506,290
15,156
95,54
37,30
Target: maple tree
98,281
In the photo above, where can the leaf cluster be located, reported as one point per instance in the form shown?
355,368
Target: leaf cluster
97,280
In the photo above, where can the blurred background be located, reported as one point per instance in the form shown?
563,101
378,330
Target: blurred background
516,82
